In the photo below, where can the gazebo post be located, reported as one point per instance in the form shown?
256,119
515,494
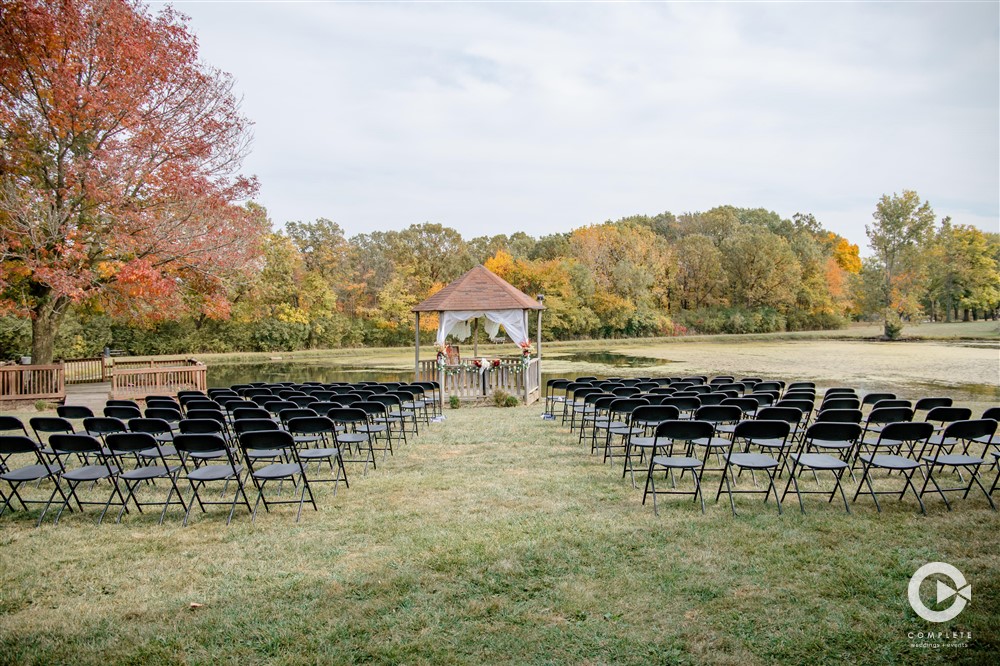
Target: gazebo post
475,337
538,341
416,360
524,318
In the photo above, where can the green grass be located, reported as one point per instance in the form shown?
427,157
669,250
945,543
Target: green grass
494,538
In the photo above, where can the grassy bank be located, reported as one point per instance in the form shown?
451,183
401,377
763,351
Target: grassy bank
495,538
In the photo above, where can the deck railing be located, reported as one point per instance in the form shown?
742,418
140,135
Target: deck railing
33,382
142,378
88,370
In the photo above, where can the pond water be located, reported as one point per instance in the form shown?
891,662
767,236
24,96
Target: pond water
311,371
222,375
610,359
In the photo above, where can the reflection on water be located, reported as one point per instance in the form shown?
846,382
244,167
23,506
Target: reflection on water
610,359
309,371
318,370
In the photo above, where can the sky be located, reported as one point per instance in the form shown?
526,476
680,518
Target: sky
544,117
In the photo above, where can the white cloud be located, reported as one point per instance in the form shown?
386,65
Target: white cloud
496,117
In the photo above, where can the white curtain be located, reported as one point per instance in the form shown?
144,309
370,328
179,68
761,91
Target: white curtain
511,320
492,329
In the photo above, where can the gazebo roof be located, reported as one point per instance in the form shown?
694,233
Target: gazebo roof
479,289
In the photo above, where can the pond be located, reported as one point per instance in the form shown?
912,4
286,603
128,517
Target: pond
308,371
313,370
610,359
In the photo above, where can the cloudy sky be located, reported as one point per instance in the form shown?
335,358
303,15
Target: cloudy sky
543,117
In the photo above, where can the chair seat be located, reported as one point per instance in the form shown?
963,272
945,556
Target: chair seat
150,472
712,442
207,455
624,430
264,453
90,473
819,461
30,473
215,472
772,443
644,442
314,454
753,460
352,438
278,471
875,442
890,462
831,444
676,462
153,453
954,460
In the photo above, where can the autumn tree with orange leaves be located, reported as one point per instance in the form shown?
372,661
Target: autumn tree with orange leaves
119,167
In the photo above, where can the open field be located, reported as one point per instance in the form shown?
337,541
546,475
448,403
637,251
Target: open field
495,538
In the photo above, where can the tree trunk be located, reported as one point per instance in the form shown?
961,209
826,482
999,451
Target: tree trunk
46,318
965,314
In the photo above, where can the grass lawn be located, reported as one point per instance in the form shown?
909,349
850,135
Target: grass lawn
495,538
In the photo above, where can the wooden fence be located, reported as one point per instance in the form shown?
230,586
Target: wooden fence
33,382
142,378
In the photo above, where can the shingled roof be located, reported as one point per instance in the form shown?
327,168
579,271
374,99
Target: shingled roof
479,289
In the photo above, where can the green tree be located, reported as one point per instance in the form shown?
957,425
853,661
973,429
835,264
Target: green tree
962,273
902,224
761,267
701,279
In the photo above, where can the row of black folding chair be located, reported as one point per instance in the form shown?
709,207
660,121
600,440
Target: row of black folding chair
813,454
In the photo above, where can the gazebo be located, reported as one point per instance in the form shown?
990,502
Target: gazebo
478,294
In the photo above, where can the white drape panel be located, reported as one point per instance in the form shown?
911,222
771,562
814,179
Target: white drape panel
511,320
492,329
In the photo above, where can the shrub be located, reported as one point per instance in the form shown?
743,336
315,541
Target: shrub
454,402
893,328
504,399
733,320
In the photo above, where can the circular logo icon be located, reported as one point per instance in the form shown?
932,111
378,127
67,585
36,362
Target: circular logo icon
959,589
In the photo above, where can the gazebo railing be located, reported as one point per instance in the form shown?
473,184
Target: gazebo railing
469,382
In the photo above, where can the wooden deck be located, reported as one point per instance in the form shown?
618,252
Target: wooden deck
93,395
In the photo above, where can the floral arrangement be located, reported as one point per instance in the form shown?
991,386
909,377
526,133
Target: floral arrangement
526,351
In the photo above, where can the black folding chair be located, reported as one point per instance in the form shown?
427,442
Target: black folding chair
219,466
293,470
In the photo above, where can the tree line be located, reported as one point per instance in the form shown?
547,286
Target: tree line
725,270
122,225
